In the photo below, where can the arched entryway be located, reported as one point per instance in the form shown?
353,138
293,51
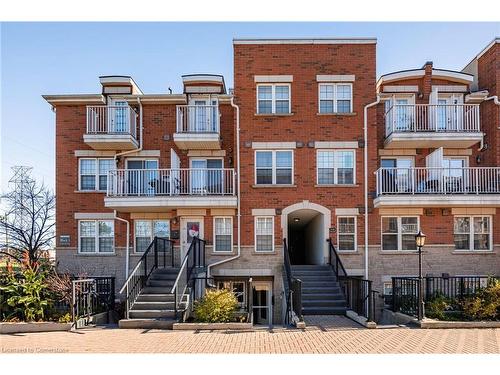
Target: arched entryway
305,225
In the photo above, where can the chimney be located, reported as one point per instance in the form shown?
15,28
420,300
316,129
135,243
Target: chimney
427,84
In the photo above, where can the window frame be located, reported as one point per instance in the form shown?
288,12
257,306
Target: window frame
274,167
355,233
151,226
472,233
399,233
335,97
214,249
96,237
96,175
335,169
273,98
256,218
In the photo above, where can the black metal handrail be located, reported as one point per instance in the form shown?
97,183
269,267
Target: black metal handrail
293,291
155,256
357,291
194,258
405,290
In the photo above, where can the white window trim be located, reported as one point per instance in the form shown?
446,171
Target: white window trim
273,98
335,176
198,158
96,238
335,84
151,221
471,234
142,159
400,234
96,174
355,234
255,234
214,249
273,167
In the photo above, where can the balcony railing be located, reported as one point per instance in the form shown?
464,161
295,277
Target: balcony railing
198,119
476,180
458,118
118,120
171,182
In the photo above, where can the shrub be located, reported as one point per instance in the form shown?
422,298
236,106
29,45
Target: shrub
485,305
436,307
217,306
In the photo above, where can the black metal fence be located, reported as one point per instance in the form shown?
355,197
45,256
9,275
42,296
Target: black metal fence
92,296
405,290
293,290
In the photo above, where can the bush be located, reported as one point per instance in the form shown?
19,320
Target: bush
485,305
217,306
436,307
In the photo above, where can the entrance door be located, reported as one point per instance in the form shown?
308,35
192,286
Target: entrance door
262,308
449,113
118,122
203,115
190,227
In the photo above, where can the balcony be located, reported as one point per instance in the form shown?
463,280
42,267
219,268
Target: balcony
432,126
156,190
438,187
111,128
198,127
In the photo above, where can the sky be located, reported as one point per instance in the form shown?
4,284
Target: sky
68,58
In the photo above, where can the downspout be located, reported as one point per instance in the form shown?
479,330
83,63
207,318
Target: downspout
365,135
238,217
127,256
127,251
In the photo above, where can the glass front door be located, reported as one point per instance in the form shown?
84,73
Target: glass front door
262,303
190,227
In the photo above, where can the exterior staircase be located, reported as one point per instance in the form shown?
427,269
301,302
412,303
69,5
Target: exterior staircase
321,291
154,307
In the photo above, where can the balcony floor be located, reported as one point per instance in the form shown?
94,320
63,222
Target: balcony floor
197,141
166,203
437,200
432,140
111,141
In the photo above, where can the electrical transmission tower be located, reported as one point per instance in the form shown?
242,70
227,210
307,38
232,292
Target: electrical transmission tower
21,179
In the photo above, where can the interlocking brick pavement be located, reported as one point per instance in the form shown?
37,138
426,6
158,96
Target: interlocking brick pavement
322,335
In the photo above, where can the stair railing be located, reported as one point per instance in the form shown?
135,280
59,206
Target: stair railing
293,291
157,255
357,291
194,258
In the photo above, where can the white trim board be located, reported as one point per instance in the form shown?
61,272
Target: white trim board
335,78
94,216
335,145
273,145
273,78
307,41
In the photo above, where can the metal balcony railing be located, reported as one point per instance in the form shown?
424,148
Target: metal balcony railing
110,119
198,119
404,118
472,180
171,182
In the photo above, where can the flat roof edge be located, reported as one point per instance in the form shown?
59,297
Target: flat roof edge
305,41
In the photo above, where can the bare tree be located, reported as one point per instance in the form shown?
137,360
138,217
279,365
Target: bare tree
27,225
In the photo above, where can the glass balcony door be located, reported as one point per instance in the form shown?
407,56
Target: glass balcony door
142,177
118,117
206,176
203,115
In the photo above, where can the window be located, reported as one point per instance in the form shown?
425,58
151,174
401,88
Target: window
472,232
273,167
94,174
223,234
398,233
96,236
146,230
346,233
335,98
273,98
264,234
238,288
335,167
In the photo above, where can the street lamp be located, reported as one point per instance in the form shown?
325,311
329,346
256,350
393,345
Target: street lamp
420,242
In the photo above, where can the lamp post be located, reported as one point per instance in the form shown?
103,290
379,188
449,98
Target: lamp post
420,241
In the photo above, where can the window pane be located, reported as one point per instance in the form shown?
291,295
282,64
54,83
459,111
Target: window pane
344,92
283,176
409,225
105,165
87,228
326,159
265,106
142,243
389,225
282,92
282,106
408,242
344,159
264,176
462,241
87,166
106,229
461,225
283,159
87,182
87,245
103,182
222,242
346,225
326,92
264,243
343,106
481,224
223,226
264,159
326,176
345,176
106,245
143,228
161,228
326,106
265,92
389,242
481,242
346,242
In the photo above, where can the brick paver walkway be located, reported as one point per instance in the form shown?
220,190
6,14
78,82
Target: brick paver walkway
322,335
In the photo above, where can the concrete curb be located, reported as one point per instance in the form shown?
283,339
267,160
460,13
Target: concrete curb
360,319
34,327
432,324
212,326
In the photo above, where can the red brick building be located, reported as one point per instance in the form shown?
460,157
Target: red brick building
288,156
